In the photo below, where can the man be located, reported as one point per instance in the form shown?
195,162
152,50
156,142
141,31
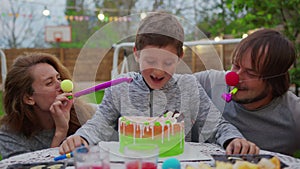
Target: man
263,109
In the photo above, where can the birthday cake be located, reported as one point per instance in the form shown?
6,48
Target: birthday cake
166,131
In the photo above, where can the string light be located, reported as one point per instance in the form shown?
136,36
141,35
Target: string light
143,15
101,16
244,35
217,39
46,11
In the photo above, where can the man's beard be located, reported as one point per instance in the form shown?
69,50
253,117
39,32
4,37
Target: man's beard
261,96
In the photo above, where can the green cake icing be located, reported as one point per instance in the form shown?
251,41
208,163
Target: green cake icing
163,131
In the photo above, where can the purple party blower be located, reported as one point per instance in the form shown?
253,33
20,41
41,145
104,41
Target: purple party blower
102,86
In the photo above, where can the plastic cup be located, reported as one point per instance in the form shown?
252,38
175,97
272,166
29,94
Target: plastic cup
141,156
92,157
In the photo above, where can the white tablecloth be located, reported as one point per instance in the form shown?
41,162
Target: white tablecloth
201,151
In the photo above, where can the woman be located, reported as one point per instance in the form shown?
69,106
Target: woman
38,114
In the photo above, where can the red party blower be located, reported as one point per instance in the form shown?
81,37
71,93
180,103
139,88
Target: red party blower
232,79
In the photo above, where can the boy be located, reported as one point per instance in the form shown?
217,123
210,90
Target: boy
158,50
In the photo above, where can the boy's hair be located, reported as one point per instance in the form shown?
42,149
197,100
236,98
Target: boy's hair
160,29
272,55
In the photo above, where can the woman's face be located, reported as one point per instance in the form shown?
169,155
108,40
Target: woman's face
46,86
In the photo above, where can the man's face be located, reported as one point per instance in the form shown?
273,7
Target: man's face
253,92
157,65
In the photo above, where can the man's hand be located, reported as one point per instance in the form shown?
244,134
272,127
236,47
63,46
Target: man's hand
241,146
71,143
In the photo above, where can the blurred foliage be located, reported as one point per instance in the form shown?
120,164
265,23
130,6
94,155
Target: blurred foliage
238,16
295,75
95,97
297,154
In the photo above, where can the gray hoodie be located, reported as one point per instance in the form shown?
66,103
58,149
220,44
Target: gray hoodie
203,121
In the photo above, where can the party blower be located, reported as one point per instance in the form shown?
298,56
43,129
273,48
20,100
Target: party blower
232,79
67,86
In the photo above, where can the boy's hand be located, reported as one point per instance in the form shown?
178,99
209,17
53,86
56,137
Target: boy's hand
71,143
241,146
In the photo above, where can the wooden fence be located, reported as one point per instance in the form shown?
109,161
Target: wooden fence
196,58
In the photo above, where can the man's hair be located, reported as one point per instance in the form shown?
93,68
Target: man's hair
160,29
272,54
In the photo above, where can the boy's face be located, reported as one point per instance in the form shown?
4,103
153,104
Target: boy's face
157,65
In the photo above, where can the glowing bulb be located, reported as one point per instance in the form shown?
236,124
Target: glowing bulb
143,15
217,38
101,16
46,12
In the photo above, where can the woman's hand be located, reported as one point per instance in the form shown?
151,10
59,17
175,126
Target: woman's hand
60,111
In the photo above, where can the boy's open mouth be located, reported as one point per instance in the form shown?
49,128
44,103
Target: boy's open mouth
156,79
